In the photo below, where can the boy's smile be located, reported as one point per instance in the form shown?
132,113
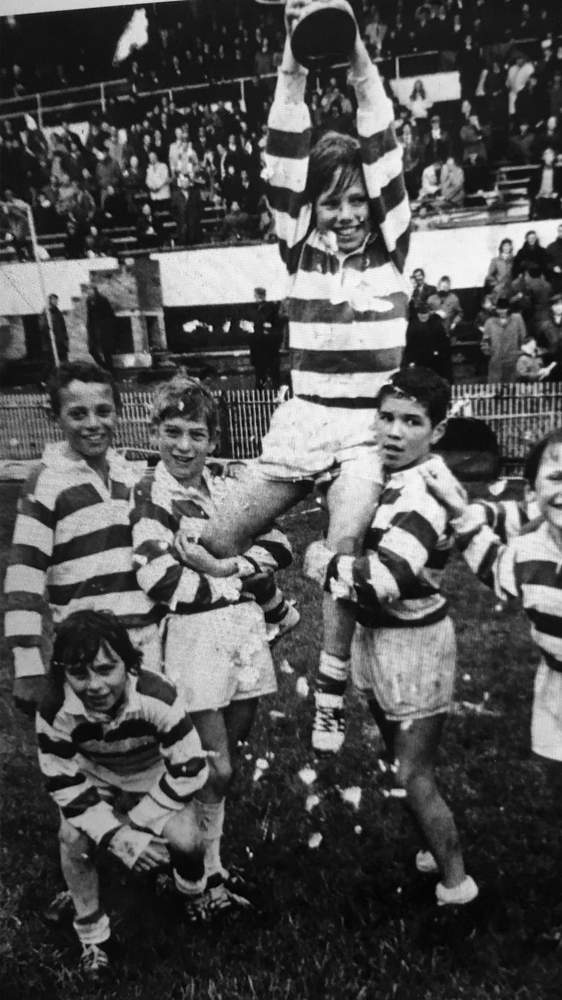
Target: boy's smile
100,685
87,418
405,433
184,447
346,214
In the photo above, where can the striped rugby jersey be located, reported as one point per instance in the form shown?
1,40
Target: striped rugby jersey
528,567
160,507
151,726
72,539
397,581
347,317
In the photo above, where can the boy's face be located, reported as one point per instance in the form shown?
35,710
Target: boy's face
100,685
184,447
404,432
87,417
346,214
548,486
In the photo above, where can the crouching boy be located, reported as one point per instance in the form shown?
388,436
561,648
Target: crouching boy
108,727
403,650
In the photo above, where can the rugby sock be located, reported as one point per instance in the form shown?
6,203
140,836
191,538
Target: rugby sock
93,929
332,674
210,818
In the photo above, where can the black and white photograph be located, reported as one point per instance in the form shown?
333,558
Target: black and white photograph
280,500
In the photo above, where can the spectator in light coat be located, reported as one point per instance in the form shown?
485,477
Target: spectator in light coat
501,342
157,179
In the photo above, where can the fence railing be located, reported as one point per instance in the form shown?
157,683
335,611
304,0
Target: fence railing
518,414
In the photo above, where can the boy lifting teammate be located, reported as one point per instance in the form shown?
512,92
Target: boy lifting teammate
215,641
342,219
403,653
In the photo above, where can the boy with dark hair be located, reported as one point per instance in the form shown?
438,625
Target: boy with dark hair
72,536
215,641
403,652
107,727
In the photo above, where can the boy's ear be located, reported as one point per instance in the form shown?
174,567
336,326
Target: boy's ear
438,431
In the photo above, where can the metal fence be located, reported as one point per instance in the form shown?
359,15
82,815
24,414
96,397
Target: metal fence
518,414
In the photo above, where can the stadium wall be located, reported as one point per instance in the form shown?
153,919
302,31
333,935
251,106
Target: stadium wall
228,275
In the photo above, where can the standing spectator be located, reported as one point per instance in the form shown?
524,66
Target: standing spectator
265,343
100,325
531,252
157,180
446,304
187,211
548,136
501,342
499,276
554,255
430,188
517,75
133,184
411,159
469,64
550,330
531,296
521,146
419,104
108,174
58,326
427,343
149,231
529,367
420,292
528,104
545,188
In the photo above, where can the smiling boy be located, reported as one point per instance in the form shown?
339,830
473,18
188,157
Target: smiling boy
215,645
403,652
72,536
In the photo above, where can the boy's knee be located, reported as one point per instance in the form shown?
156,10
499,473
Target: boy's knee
221,773
182,832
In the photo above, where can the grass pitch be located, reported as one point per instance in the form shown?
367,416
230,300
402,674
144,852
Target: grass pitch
349,919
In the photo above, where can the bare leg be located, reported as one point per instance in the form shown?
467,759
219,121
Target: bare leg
249,507
415,748
210,800
79,870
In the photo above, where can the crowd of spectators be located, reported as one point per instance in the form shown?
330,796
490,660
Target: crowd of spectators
518,325
164,171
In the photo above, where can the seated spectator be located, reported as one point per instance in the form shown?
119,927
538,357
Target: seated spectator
521,146
528,104
477,175
471,135
248,194
66,196
94,243
452,183
548,136
421,291
237,225
427,343
494,93
411,158
531,252
545,188
554,99
157,180
46,217
187,211
446,304
74,240
436,144
499,276
149,230
115,211
554,257
133,184
502,337
430,189
230,186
